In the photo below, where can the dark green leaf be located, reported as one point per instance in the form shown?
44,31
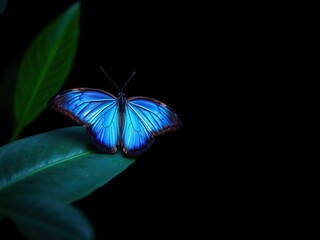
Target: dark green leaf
41,218
59,164
45,66
3,4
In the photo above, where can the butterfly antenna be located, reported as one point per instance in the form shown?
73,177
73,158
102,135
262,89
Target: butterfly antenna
132,75
110,78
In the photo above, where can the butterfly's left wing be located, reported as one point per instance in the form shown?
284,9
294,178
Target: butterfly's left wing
143,119
95,109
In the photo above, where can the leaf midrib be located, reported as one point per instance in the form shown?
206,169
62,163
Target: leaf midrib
19,179
52,53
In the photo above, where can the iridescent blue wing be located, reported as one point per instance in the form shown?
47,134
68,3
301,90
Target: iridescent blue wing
143,119
95,109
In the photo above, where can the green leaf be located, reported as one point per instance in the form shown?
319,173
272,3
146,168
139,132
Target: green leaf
3,4
45,67
60,164
42,218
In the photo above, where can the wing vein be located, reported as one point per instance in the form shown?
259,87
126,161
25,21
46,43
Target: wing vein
141,119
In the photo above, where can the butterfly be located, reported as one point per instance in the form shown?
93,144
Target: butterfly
116,122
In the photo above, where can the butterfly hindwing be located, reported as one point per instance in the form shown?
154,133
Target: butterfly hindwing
95,109
143,119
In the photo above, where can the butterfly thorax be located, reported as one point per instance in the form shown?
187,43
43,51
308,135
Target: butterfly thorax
121,101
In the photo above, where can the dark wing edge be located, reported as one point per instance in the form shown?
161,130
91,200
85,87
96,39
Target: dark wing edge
55,104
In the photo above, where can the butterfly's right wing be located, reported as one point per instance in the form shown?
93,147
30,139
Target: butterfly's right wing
95,109
145,118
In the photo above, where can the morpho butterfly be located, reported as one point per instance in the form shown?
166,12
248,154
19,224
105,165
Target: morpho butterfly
112,122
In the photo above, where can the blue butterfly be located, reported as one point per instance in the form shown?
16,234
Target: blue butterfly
116,122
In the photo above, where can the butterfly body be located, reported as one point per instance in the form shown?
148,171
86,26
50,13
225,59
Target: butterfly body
121,102
116,122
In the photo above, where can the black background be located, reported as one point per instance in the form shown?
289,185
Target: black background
163,43
223,68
